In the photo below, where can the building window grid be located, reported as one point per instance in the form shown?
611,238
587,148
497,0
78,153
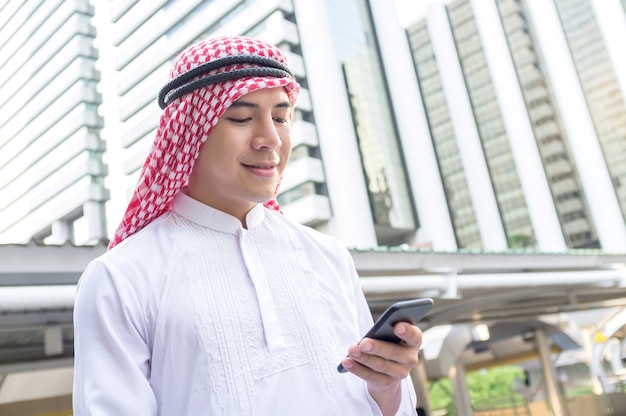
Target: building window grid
492,132
546,128
53,28
565,186
600,87
298,192
444,142
382,161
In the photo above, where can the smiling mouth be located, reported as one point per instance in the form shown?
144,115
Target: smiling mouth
260,166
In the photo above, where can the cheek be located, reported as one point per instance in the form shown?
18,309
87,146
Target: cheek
285,154
285,139
214,151
204,161
197,173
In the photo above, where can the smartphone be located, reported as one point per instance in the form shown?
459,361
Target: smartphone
411,311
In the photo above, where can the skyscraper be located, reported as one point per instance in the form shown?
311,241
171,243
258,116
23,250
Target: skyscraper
527,116
51,170
485,125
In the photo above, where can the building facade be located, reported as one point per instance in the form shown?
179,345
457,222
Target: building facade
51,167
524,100
482,125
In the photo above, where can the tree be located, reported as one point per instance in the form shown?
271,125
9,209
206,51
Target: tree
494,387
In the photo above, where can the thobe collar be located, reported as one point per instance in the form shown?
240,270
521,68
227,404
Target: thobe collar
209,217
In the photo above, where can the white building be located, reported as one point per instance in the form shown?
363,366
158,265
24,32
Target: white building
525,104
484,127
51,170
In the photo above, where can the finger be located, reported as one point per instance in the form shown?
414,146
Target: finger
408,333
403,354
373,378
382,357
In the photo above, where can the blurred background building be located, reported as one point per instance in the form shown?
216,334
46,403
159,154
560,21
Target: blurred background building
474,125
484,127
51,167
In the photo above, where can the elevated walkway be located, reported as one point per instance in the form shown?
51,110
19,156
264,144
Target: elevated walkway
514,296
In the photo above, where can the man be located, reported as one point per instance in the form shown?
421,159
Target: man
209,300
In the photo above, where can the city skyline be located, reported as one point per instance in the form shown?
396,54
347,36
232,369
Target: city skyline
483,177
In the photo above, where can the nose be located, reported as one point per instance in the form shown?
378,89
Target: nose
266,135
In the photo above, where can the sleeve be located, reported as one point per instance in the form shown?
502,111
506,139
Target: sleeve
111,351
408,405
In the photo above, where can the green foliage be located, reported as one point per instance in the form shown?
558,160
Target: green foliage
494,387
441,396
581,390
520,241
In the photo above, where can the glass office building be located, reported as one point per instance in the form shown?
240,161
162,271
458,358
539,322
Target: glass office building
483,124
553,145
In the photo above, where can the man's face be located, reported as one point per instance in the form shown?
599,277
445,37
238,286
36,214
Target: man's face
243,158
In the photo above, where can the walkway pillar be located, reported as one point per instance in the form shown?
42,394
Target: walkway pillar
420,383
462,400
556,400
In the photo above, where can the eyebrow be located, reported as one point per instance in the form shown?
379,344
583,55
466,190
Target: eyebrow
248,104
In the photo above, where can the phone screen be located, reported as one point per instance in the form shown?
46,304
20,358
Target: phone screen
411,311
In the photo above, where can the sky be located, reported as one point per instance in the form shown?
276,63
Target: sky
409,10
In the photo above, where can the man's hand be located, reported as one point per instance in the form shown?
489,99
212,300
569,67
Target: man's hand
383,365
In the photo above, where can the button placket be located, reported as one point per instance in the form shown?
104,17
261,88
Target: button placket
272,328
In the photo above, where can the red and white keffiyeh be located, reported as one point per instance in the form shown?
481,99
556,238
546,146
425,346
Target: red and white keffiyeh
205,80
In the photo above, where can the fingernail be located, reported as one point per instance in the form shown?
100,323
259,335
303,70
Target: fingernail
401,329
365,346
356,352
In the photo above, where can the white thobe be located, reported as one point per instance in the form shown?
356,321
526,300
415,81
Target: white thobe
195,315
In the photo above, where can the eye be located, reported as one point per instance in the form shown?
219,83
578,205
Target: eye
280,120
238,120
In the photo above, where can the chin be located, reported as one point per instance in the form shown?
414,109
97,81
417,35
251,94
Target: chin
261,199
